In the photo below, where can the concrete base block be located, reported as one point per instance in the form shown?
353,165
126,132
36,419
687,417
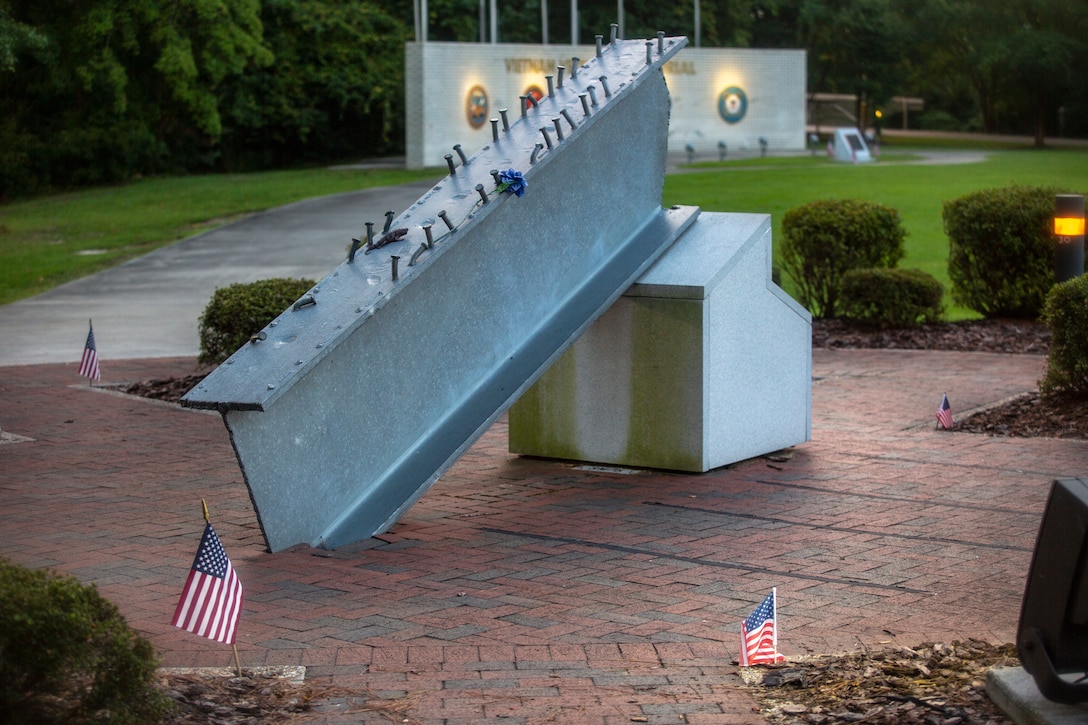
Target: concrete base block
1014,691
703,362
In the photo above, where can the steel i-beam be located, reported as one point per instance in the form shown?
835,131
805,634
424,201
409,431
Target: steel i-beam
357,398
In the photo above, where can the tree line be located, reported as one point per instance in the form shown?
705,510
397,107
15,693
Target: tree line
101,91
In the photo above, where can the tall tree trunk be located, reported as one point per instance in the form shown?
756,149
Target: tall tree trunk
1040,120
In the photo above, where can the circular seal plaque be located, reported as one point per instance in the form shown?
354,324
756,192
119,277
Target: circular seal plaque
732,104
477,106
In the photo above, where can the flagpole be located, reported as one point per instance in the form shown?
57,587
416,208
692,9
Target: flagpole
90,326
774,613
233,646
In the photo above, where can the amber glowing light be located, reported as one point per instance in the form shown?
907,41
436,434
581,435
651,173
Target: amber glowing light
1069,226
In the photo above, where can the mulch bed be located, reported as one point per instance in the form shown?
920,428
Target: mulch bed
934,684
1024,337
257,699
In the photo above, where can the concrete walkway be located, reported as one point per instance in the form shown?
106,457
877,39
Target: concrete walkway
150,306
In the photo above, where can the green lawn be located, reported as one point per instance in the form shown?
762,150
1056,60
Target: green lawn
917,191
47,241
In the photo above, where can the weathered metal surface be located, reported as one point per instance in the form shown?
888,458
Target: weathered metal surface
702,362
354,404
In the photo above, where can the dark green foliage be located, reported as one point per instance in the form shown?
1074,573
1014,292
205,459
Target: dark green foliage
109,90
239,311
1066,314
335,90
1001,249
67,655
825,239
884,297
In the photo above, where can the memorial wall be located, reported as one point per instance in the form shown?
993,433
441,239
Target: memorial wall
730,96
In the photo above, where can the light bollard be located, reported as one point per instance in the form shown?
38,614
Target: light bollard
1069,229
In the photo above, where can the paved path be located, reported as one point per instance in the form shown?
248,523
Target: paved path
539,591
150,306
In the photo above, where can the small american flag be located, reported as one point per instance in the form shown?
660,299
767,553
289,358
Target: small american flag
212,597
944,413
88,366
758,635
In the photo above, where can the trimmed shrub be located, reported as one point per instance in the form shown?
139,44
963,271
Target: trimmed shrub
1066,314
1001,249
825,239
67,655
239,311
884,297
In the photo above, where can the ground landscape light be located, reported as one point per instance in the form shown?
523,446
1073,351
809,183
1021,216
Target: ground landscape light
1069,229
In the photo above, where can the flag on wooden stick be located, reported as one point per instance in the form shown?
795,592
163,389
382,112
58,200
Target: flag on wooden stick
212,597
944,414
88,366
759,634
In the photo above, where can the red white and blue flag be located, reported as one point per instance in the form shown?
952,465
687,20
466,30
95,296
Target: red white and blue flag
88,366
759,635
944,414
212,597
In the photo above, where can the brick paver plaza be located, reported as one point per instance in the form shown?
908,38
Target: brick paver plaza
542,591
